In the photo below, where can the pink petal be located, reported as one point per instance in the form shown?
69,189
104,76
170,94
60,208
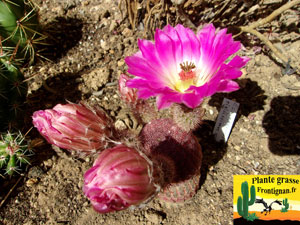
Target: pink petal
166,99
228,86
138,66
150,54
190,44
192,100
238,61
142,83
165,48
173,34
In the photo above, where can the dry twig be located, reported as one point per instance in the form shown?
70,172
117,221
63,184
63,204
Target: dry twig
251,29
10,191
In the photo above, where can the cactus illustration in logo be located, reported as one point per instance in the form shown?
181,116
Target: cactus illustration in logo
286,205
243,202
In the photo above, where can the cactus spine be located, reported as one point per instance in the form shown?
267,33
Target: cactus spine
243,203
19,27
286,205
13,92
13,151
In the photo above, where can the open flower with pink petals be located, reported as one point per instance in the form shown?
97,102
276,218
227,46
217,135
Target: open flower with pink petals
184,67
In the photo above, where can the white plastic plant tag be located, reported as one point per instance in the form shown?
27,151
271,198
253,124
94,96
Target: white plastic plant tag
225,120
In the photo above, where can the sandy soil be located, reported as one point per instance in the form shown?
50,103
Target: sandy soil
91,42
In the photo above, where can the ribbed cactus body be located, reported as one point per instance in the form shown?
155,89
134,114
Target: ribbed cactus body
14,153
19,27
13,92
179,155
243,203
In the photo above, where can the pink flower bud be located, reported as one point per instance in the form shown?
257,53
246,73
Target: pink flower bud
74,127
119,178
127,94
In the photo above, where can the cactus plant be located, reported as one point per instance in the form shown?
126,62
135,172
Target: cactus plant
243,203
19,27
13,151
13,92
186,118
286,205
179,155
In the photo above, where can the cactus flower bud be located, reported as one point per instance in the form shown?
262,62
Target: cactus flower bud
74,127
119,178
127,94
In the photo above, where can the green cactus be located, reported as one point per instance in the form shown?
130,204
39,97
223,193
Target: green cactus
252,217
13,151
286,205
244,203
13,92
19,27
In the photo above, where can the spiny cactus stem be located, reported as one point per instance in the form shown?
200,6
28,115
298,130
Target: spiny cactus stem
13,152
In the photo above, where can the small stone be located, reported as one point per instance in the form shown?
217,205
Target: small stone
120,125
127,32
35,172
85,3
31,182
236,147
48,163
113,26
121,63
58,10
104,45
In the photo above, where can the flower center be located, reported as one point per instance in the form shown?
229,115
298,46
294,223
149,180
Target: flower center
186,71
187,76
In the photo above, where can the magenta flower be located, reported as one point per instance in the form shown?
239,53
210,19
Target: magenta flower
74,127
119,178
182,67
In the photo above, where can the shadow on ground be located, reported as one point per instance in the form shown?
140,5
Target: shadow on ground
250,96
282,124
213,151
63,34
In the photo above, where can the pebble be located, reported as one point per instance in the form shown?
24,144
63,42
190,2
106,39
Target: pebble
113,26
127,32
121,63
120,125
236,147
31,182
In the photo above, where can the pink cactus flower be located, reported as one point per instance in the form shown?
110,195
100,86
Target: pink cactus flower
127,94
74,127
119,178
183,67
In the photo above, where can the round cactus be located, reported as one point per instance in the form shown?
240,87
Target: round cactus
13,152
19,27
180,155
